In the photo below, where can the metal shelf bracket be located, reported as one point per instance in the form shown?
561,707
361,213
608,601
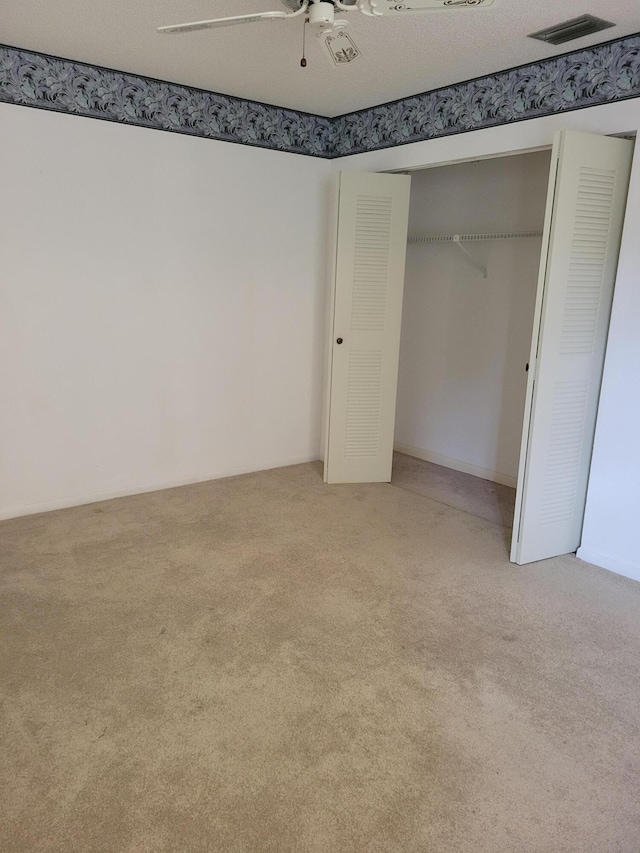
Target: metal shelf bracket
472,260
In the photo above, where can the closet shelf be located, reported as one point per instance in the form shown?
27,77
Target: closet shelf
459,239
473,238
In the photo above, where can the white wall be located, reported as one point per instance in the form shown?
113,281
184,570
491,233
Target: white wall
465,339
612,520
133,351
611,535
161,309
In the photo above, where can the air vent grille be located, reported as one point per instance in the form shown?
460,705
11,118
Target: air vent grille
576,28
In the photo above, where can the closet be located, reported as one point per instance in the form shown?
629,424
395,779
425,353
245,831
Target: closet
471,274
500,373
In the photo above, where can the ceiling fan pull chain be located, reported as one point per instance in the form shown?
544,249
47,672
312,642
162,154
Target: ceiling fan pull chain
303,61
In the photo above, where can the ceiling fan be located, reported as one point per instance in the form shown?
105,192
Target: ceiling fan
338,45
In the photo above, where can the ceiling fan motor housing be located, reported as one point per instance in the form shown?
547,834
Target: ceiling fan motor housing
322,14
294,5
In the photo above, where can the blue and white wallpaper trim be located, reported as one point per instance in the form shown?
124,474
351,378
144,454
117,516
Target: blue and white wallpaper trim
38,80
586,78
596,75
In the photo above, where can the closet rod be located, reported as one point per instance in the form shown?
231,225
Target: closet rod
473,238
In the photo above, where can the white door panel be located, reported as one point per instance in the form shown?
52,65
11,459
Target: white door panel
583,230
369,280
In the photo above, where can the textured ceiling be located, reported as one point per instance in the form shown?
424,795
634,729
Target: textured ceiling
261,61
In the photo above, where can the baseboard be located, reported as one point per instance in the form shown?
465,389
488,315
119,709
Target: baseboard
618,566
456,464
128,491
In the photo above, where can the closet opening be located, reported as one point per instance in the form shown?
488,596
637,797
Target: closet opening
471,277
485,295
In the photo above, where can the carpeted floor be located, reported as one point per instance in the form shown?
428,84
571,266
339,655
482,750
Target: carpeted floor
462,491
266,663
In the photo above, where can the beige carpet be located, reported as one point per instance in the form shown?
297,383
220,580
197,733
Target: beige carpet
267,663
456,489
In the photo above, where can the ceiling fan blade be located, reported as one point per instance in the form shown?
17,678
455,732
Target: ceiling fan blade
339,47
223,22
412,7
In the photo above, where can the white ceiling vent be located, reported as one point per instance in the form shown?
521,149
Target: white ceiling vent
576,28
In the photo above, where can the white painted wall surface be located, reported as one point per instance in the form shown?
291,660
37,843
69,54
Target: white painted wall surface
133,381
161,309
465,339
611,534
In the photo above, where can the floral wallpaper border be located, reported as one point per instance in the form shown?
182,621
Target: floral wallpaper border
596,75
47,82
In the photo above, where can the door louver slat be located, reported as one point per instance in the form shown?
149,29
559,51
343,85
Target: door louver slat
371,264
589,250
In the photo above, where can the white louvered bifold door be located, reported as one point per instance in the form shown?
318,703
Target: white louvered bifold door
369,279
583,228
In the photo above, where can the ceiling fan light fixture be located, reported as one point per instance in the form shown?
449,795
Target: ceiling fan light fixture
575,28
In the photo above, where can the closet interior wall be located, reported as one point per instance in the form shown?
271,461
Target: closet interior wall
465,338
